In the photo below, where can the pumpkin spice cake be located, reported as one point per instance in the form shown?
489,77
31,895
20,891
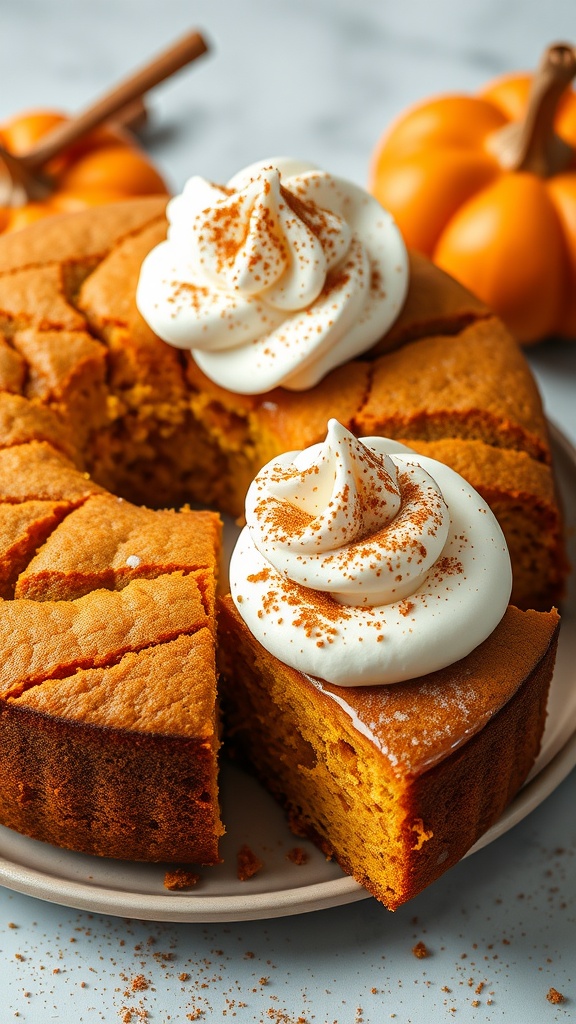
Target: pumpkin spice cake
108,702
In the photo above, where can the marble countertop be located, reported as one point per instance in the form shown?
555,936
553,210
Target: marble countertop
319,79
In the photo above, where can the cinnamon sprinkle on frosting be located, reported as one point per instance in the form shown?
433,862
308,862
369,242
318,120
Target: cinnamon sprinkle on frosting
350,543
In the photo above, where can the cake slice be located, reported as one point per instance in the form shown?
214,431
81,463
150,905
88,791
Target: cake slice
522,495
108,701
109,721
119,760
108,542
375,674
394,782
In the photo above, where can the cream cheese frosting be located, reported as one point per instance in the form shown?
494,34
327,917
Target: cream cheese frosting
363,563
276,278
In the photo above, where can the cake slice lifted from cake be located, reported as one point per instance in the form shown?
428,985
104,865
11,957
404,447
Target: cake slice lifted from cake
395,720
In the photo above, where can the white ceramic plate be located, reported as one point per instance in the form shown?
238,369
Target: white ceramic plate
282,888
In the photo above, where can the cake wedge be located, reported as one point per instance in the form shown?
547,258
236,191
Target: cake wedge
374,673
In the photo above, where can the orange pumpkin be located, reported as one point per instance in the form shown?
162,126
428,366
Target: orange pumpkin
486,187
104,166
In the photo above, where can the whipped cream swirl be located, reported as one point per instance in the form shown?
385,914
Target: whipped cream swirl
275,278
363,563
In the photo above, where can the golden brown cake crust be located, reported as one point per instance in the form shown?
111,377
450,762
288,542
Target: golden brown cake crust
23,529
521,493
475,384
85,236
436,304
107,542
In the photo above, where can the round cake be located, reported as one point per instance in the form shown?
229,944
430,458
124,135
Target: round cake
108,701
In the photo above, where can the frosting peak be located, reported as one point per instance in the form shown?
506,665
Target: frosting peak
261,240
347,491
341,519
276,278
363,563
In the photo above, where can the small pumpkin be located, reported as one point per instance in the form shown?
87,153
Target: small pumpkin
104,166
486,187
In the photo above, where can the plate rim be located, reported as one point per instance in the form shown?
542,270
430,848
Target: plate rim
256,906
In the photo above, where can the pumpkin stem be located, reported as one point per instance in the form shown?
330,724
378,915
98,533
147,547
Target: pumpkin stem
532,144
18,185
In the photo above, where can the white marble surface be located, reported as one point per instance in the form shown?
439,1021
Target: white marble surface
318,79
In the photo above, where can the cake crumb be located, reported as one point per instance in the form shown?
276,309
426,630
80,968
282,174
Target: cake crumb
180,878
297,855
248,863
554,996
139,983
420,951
422,834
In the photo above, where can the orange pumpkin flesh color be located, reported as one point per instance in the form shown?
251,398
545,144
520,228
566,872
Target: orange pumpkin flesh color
103,167
486,187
